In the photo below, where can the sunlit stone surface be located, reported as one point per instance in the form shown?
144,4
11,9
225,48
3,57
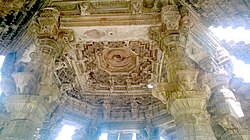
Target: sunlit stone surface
123,70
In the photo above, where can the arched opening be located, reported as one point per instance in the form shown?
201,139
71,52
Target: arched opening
66,132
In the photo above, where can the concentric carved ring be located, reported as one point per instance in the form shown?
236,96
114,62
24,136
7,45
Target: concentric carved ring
118,60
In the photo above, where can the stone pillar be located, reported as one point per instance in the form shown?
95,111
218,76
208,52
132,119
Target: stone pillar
93,131
155,135
223,106
106,110
36,92
142,135
134,109
27,113
189,108
152,132
93,134
184,96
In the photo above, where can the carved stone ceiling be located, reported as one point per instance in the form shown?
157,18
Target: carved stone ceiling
222,12
225,13
111,60
14,18
116,58
104,67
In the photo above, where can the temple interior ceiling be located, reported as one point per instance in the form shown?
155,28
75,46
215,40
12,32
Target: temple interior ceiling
111,50
110,61
79,13
222,12
111,67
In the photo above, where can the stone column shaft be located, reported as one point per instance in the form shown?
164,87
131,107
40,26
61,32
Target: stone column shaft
26,116
35,89
225,109
182,92
223,106
188,105
191,120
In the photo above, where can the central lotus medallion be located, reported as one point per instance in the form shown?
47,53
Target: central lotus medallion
118,60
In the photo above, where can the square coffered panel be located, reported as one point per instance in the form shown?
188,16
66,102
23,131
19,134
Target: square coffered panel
115,66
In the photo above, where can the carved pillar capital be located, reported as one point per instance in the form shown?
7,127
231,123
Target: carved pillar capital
220,79
173,42
185,85
188,106
27,113
48,21
170,17
175,18
48,47
189,114
29,107
223,59
209,65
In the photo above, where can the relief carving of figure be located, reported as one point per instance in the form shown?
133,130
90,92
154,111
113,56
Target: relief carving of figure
185,22
187,83
170,17
25,83
84,9
136,6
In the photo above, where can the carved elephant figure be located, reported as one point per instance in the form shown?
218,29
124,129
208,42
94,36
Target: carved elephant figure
25,82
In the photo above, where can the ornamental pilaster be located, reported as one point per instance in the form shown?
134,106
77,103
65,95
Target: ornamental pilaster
183,95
